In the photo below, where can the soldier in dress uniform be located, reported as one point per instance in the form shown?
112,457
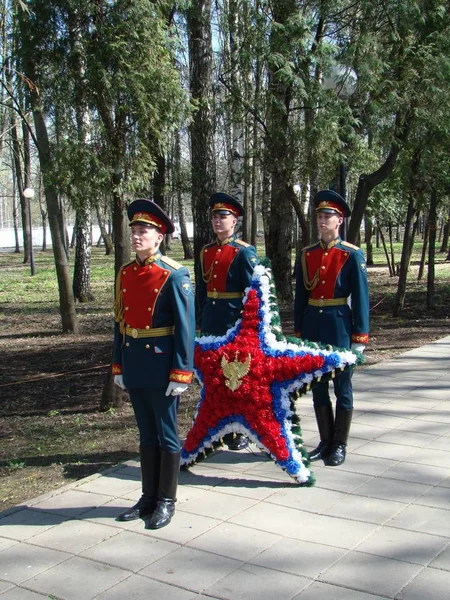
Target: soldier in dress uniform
153,356
332,307
226,271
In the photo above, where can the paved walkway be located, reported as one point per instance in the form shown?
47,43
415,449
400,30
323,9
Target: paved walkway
376,527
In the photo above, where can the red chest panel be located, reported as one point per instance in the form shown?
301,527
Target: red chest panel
141,287
329,264
217,261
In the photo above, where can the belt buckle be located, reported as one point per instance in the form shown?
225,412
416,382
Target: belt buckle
215,294
321,302
134,333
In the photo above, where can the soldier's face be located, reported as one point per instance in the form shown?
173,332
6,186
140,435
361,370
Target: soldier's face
223,225
328,224
145,240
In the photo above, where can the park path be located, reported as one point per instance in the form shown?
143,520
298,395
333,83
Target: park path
376,527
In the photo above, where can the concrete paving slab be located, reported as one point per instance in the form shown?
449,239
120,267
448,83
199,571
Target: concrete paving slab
254,487
191,569
406,471
73,536
378,449
6,543
319,591
368,510
183,528
23,561
437,497
442,561
298,557
137,587
72,503
5,585
77,578
235,541
330,479
431,457
112,486
331,531
428,579
251,582
142,551
212,505
313,499
400,544
268,517
390,489
423,519
26,523
17,593
371,573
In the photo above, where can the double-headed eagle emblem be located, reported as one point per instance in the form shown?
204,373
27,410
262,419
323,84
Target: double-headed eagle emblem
235,371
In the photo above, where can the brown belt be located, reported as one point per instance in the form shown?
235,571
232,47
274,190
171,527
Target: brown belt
149,333
225,295
329,302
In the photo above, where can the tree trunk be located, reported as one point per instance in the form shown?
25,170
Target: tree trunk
203,163
366,183
432,227
82,267
386,253
445,235
20,180
424,252
368,240
187,247
408,244
280,151
104,233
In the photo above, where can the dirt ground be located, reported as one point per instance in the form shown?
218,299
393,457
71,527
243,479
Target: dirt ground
50,387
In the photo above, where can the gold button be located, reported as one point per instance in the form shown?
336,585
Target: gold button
127,344
307,254
321,311
124,272
215,276
156,290
323,267
147,346
321,296
213,302
216,262
206,250
149,309
124,290
219,250
323,282
127,308
326,254
150,266
135,269
165,272
147,327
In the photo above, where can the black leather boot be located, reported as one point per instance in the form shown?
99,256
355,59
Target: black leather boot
324,418
341,431
167,491
235,441
150,465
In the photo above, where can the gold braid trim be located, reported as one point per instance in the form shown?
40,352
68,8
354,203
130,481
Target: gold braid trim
309,285
118,304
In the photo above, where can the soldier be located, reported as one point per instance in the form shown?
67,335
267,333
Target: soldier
153,356
226,271
332,307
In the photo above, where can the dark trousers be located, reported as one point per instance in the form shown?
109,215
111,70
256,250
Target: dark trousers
342,389
156,417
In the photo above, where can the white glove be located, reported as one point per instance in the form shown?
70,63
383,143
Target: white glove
118,380
175,389
358,347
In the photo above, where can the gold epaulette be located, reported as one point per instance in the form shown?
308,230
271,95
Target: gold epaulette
242,243
350,245
172,263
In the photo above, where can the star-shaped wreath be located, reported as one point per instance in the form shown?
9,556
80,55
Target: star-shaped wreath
249,378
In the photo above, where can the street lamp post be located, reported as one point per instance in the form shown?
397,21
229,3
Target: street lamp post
28,193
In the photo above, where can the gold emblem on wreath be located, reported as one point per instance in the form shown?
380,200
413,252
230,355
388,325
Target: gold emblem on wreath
235,371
